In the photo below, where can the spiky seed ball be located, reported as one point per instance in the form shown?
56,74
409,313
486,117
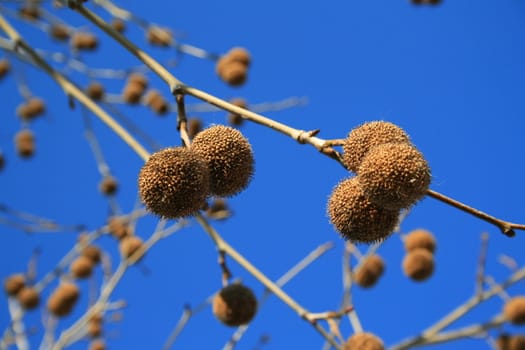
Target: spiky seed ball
95,90
97,344
63,299
418,264
234,73
370,271
84,41
108,185
81,267
364,341
235,305
394,175
25,143
93,253
236,119
174,182
118,24
118,227
158,36
194,127
28,298
59,32
514,310
355,217
14,283
129,245
420,238
5,67
366,136
228,156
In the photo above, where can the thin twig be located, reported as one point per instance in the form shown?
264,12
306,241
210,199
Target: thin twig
480,275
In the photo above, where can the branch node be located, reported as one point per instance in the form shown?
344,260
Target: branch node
178,89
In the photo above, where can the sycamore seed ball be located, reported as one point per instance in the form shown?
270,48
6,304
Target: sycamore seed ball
25,143
129,245
108,185
364,341
370,271
81,267
119,228
97,344
420,238
28,298
63,299
514,310
174,182
418,264
14,283
229,158
235,305
394,175
367,136
95,90
93,253
355,217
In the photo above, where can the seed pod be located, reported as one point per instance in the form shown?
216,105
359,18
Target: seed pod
132,93
367,136
236,119
138,79
118,24
514,310
30,12
240,54
174,182
84,41
59,32
418,264
129,245
28,298
364,341
63,299
229,158
25,143
234,73
5,67
235,305
502,342
97,344
108,185
31,109
156,102
95,90
94,326
355,217
420,238
194,127
159,36
14,283
119,228
517,342
394,175
81,267
369,272
93,253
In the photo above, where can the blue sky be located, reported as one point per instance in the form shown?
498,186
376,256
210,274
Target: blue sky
451,75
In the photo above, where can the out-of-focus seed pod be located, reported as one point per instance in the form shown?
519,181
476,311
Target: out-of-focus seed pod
194,127
14,284
95,91
370,271
234,118
93,253
97,344
118,24
63,299
25,143
5,67
108,185
129,245
156,102
94,326
135,87
233,66
235,305
420,238
81,267
418,264
355,217
59,32
514,310
158,36
28,298
364,341
84,41
31,109
119,228
517,342
30,12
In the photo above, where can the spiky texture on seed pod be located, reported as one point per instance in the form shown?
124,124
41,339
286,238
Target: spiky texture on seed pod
81,267
355,217
194,127
420,238
174,182
93,253
95,90
234,118
364,341
514,310
366,136
14,284
118,24
84,41
25,143
62,300
418,264
129,245
394,175
31,109
28,298
370,271
59,32
228,156
235,305
156,102
5,67
158,36
97,344
119,228
108,185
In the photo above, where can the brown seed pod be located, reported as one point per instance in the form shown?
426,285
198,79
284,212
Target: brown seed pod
63,299
194,127
355,217
81,267
138,79
236,119
108,185
156,102
366,136
93,253
14,283
31,109
502,342
5,67
118,24
517,342
25,143
174,182
418,264
370,271
84,41
97,344
59,32
240,54
229,158
132,93
94,326
235,305
30,12
129,245
119,228
394,175
514,310
234,73
159,36
95,90
364,341
420,238
28,298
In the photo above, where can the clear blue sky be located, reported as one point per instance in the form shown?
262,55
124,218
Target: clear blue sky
453,76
